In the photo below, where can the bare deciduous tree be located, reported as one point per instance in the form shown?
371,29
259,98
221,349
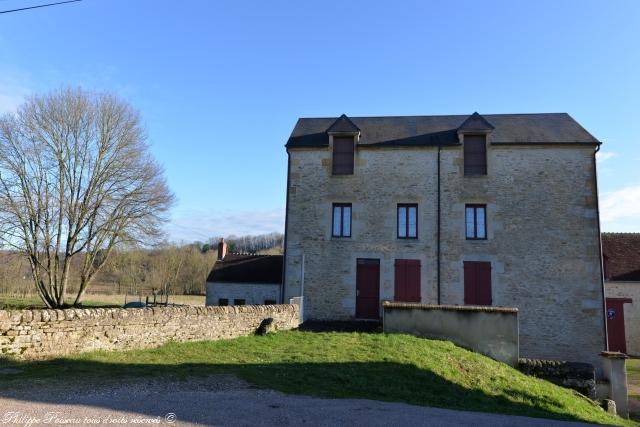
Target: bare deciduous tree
76,179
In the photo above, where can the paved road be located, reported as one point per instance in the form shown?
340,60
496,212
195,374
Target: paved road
224,401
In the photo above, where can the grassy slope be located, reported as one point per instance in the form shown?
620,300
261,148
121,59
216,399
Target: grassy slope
344,365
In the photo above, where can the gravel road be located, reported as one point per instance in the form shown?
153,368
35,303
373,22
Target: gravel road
222,400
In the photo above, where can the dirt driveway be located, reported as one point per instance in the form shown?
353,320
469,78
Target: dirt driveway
223,401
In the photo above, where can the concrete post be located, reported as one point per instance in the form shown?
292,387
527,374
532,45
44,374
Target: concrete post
614,369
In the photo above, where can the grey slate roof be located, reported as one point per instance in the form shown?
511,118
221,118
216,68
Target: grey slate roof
257,269
558,128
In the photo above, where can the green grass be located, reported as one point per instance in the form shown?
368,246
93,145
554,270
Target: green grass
19,303
343,365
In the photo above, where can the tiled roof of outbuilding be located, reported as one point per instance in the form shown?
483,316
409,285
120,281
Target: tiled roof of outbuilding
543,128
622,256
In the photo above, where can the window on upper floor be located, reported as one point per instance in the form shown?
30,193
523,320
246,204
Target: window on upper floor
476,222
239,301
475,154
343,148
341,223
223,301
407,221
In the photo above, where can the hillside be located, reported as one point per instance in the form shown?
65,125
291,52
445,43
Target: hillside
344,365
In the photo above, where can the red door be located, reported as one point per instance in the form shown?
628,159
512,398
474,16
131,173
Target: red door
615,324
368,289
407,280
477,283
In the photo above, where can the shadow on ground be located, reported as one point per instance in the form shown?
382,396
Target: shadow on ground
48,381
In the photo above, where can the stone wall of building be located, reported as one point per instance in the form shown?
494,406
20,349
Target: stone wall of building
543,244
383,178
631,312
252,293
542,235
32,334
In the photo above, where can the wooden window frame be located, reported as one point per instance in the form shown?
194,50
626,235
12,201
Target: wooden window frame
475,207
407,206
339,168
333,219
468,168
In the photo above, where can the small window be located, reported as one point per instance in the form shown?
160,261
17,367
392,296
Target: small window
223,301
476,222
341,226
238,302
343,148
269,302
407,221
475,155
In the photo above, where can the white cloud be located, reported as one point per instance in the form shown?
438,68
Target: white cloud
195,224
13,92
603,156
621,209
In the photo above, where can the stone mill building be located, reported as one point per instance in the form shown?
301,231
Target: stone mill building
497,209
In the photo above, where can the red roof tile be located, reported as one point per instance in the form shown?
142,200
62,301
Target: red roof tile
621,253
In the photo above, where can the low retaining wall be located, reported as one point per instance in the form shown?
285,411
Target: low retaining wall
32,334
578,376
492,331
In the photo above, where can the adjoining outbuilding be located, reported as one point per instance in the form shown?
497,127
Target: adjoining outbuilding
239,279
621,260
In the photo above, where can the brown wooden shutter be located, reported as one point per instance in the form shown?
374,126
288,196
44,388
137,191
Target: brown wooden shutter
343,148
407,280
469,283
477,283
475,155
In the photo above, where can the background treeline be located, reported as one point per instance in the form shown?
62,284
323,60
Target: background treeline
261,243
168,268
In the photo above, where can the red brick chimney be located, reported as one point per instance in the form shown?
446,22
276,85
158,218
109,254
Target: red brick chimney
222,249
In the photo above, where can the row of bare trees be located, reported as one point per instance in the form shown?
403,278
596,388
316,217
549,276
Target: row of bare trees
169,269
251,243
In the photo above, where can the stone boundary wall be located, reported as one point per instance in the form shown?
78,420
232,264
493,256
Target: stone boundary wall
578,376
35,334
492,331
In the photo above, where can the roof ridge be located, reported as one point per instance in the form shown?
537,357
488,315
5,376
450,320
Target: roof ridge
430,115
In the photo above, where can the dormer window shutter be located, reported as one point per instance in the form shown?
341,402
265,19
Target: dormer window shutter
473,134
475,155
343,155
345,134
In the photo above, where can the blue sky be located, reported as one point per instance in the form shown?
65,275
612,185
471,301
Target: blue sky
220,84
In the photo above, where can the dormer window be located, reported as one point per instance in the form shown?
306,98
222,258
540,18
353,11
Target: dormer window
345,134
343,148
475,154
473,135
